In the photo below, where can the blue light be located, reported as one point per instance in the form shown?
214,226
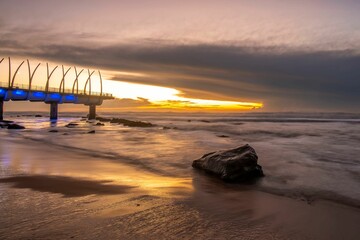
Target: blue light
2,90
56,96
70,98
39,94
19,92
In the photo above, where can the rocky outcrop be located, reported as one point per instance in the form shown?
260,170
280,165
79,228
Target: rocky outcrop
71,125
101,119
223,136
130,123
126,122
15,126
239,164
5,123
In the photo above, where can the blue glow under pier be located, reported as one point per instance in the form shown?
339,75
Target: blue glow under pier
11,91
52,98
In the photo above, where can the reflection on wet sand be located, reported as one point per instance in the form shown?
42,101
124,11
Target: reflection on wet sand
67,186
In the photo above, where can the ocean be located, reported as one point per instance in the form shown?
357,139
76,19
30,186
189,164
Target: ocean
306,156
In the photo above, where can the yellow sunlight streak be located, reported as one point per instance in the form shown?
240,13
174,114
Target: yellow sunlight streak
168,98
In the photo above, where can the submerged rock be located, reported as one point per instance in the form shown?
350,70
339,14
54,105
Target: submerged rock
99,124
125,122
101,119
15,126
7,122
92,131
223,136
239,164
130,123
70,125
53,131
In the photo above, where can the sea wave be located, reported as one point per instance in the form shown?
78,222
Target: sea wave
302,157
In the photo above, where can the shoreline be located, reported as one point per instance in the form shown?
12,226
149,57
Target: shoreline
309,197
111,195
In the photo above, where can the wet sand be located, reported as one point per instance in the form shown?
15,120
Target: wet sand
49,193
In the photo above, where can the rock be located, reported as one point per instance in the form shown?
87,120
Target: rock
69,125
38,115
65,133
5,123
53,131
166,128
223,136
15,126
125,122
239,164
101,119
99,124
130,123
205,121
92,131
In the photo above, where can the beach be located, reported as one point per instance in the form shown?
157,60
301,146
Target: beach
138,183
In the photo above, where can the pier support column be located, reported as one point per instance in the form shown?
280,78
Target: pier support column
92,112
53,111
1,110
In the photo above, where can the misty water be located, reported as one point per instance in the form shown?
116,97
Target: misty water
304,156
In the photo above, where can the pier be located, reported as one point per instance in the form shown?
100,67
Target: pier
11,91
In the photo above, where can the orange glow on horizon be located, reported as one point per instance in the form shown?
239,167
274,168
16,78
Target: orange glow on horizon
169,98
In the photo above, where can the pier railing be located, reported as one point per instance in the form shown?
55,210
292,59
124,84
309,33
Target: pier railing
53,96
83,90
53,89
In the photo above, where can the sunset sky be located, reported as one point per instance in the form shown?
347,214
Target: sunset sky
196,55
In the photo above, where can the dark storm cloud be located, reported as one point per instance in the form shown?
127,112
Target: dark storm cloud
281,77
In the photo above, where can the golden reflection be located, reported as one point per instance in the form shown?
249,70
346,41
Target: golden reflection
102,171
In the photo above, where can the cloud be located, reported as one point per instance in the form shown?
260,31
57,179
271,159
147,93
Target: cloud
283,78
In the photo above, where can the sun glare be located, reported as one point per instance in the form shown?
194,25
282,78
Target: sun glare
169,98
